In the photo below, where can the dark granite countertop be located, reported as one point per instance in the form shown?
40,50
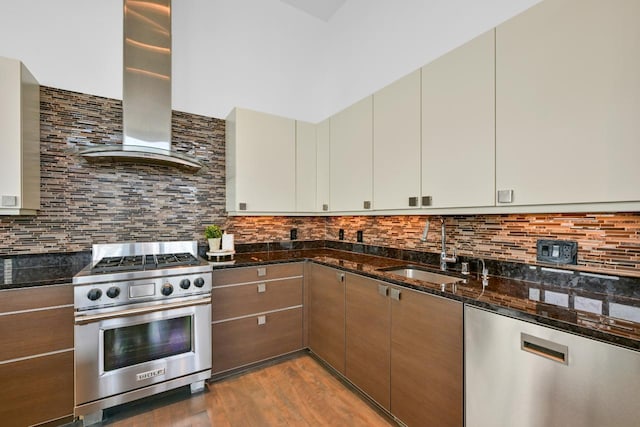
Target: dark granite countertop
605,309
21,271
595,309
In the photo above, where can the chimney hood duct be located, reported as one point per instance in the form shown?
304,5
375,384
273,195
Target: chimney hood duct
146,95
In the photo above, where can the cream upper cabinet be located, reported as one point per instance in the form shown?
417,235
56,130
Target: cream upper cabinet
306,169
261,159
567,100
19,139
351,154
323,168
396,144
458,126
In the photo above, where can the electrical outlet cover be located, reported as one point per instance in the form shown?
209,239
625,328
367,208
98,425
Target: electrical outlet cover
557,251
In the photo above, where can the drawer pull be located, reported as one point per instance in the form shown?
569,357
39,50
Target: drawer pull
383,290
544,348
340,277
395,294
262,271
262,320
262,287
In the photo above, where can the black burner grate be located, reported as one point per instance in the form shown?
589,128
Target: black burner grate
143,262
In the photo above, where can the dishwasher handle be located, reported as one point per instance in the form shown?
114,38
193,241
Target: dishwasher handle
544,348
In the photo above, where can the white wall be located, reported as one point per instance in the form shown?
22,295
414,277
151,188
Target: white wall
258,54
373,43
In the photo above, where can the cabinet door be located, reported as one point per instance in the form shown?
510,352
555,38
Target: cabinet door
323,162
20,136
368,324
426,359
306,170
261,164
396,144
567,102
352,157
458,126
326,315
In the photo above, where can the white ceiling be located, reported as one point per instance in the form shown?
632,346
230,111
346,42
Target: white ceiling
321,9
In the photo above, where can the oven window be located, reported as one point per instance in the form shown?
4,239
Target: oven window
130,345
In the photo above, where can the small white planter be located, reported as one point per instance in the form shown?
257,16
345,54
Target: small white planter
214,244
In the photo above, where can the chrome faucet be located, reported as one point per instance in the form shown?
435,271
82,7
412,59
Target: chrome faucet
485,273
423,238
444,259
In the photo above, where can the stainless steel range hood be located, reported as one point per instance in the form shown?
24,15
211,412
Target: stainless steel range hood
146,96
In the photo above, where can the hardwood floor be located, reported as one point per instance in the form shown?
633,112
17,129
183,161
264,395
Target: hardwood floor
295,392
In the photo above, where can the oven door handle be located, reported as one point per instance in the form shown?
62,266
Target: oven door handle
92,318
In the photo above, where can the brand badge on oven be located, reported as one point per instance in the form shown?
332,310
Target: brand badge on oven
150,374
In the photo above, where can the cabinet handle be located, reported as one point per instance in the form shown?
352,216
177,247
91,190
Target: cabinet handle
426,201
367,204
262,287
395,294
262,320
505,196
340,277
383,290
413,201
9,201
325,207
262,271
242,206
544,348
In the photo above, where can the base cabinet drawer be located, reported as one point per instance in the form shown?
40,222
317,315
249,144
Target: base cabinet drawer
251,339
229,276
47,331
241,300
34,391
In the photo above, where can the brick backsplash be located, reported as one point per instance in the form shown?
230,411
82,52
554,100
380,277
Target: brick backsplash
85,203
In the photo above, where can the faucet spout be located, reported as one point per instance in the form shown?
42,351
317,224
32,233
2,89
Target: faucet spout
444,259
425,232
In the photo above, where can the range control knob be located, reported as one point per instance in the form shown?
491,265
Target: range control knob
167,289
113,292
199,282
185,283
94,294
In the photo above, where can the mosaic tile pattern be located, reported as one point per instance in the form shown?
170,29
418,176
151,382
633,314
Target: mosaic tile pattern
261,229
85,203
608,242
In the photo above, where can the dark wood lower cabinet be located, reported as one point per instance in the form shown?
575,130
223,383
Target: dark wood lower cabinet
37,390
36,355
326,315
368,326
244,341
426,360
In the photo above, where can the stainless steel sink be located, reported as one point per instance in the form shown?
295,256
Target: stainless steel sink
417,273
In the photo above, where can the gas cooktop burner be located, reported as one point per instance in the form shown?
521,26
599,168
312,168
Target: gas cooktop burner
143,262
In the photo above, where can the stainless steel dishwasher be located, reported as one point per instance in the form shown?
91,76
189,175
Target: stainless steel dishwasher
520,374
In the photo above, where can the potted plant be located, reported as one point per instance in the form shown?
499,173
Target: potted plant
213,234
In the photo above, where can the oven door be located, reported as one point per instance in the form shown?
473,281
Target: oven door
121,350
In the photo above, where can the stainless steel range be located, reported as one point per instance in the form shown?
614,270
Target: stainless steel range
142,324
